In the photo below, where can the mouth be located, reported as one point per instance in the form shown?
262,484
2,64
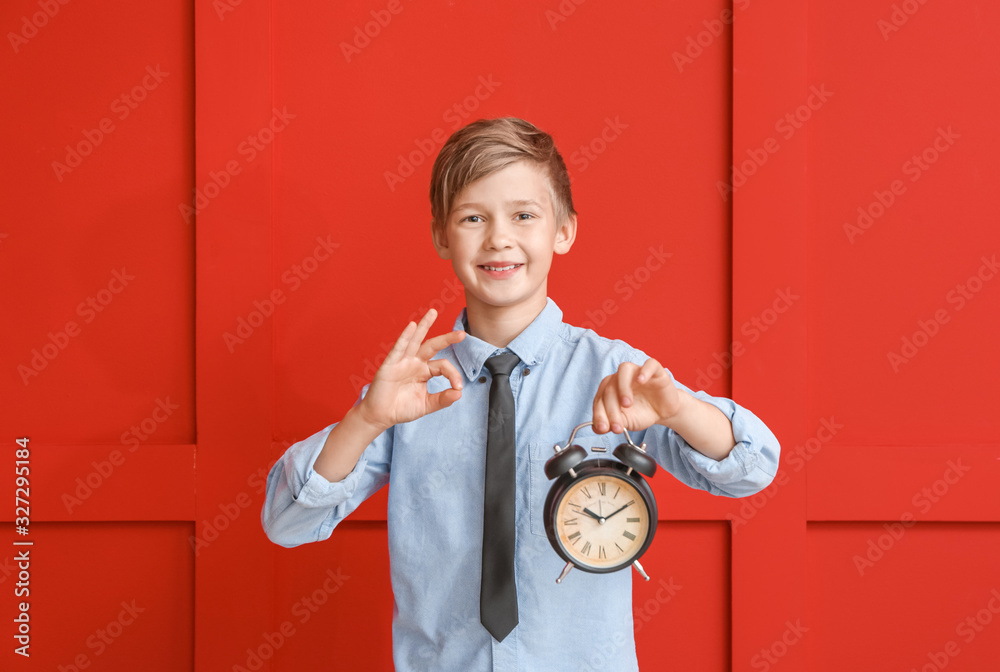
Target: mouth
501,269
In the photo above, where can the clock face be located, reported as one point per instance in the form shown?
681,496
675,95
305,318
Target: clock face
602,521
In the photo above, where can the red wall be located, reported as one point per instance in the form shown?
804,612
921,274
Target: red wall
172,329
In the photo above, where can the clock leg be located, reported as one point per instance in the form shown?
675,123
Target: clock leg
639,569
569,566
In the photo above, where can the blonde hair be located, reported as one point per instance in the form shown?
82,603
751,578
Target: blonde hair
488,145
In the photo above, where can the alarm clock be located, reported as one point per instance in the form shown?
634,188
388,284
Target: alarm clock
600,514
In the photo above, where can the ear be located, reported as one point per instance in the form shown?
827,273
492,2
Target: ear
439,236
565,235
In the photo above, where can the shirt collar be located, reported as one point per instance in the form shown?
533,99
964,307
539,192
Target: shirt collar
530,345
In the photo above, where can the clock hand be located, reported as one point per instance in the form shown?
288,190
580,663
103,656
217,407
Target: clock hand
619,510
592,514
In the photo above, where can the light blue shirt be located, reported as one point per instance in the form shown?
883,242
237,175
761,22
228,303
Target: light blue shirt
435,468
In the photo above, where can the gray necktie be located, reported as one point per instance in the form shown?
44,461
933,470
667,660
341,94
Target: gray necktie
498,594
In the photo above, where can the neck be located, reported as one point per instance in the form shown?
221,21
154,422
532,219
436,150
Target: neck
499,325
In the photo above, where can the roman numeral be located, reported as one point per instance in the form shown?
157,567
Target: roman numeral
575,521
619,547
586,548
617,491
586,493
576,506
575,537
603,488
601,554
628,535
631,520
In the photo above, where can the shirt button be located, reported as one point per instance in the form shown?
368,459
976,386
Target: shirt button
527,371
482,379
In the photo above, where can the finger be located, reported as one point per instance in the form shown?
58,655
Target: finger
626,372
399,347
601,424
613,408
434,345
418,336
443,367
649,370
443,399
662,378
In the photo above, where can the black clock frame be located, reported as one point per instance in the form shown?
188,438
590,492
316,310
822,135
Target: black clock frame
586,469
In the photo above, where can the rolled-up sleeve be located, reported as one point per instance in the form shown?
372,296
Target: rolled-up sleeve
750,466
301,506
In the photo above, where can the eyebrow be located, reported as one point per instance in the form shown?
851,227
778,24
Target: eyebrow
521,202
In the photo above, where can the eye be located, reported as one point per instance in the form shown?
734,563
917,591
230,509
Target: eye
475,219
525,216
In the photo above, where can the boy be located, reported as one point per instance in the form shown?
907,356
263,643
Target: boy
501,207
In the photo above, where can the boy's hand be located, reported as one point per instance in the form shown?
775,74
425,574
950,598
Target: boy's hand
635,398
398,393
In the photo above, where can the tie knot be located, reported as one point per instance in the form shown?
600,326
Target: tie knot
502,364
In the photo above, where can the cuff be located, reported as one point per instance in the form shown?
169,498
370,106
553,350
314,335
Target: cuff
744,467
313,490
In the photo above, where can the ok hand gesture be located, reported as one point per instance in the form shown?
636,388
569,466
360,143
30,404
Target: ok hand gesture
398,393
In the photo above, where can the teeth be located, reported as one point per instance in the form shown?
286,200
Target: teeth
504,268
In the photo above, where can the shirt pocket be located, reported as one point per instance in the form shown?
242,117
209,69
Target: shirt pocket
539,486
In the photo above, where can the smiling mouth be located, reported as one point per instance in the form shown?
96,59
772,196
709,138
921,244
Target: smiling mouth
508,267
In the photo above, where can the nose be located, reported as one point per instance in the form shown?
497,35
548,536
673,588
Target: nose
499,235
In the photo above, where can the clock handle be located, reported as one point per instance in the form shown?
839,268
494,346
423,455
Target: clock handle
569,441
631,442
638,568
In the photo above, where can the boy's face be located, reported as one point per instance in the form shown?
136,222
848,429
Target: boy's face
500,237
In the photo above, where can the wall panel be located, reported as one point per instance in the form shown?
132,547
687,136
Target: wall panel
786,203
